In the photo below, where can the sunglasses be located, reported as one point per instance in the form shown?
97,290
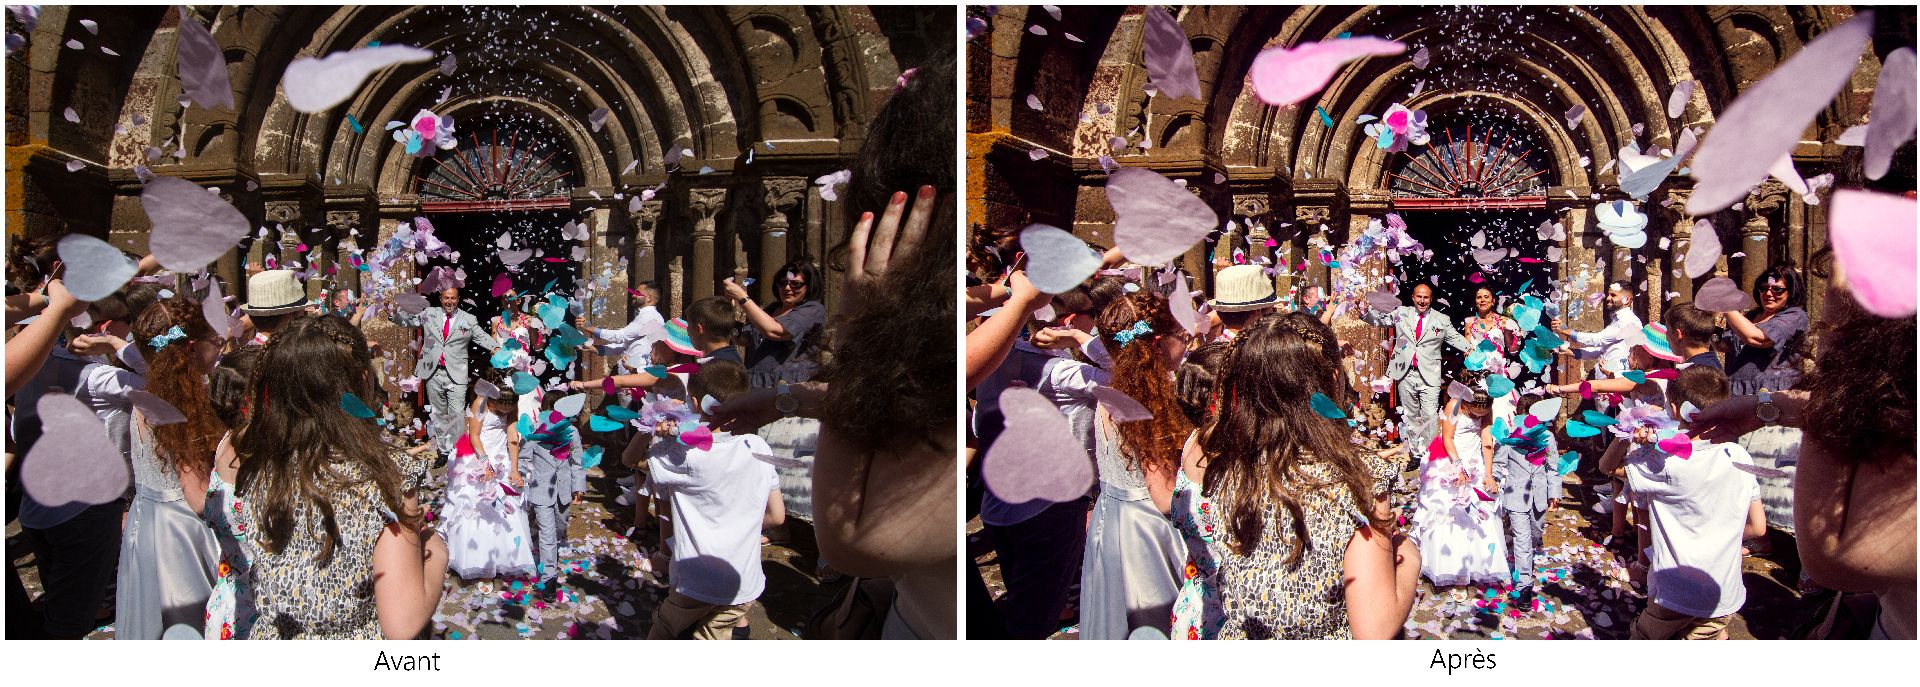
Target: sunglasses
1775,289
793,284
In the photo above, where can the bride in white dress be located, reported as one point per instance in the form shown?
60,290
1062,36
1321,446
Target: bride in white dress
1457,522
485,516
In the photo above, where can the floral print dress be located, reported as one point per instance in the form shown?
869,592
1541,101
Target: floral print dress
230,610
1196,611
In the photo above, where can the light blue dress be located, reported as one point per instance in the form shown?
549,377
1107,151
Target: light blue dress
1131,571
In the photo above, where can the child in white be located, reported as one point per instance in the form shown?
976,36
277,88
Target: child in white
1699,507
485,518
1459,529
721,496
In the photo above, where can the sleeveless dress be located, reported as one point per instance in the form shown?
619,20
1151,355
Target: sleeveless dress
1196,611
1261,597
230,610
486,528
1131,569
1461,537
167,553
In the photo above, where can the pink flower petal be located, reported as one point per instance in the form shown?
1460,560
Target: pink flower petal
1037,456
1158,219
1766,121
1873,239
1284,76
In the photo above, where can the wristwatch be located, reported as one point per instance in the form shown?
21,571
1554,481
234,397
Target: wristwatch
784,401
1766,410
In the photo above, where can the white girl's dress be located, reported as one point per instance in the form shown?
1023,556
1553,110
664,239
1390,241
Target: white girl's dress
1461,537
486,528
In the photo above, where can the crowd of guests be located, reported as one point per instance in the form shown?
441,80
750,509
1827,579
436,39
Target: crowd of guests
274,495
1254,504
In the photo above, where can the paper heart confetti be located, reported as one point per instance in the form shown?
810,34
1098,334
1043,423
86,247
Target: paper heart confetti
191,227
1180,304
1874,239
1037,456
1679,446
1158,220
1703,254
354,406
1169,56
1579,430
202,66
1284,76
601,424
1891,121
1547,409
1459,392
698,438
1721,294
1121,406
1767,119
1757,471
1326,408
1677,101
315,85
1383,301
1499,385
76,462
1056,260
571,406
155,410
94,268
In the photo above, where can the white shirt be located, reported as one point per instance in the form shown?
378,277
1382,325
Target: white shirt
106,390
1698,510
634,342
719,499
1611,345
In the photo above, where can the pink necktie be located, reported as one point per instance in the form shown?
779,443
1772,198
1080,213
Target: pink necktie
1419,326
446,331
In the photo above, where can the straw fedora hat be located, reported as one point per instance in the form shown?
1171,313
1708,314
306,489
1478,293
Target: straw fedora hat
1241,288
274,292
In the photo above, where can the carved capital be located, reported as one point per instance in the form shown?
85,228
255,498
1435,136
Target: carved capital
1312,214
784,193
1767,198
283,212
645,220
1252,205
343,220
707,202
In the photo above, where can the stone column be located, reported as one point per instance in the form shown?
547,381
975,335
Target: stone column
1254,210
676,280
1763,202
706,204
1312,223
783,194
340,227
1682,240
646,222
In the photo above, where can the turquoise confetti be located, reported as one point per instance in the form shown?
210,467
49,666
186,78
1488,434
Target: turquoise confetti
1578,429
355,123
1636,376
524,383
503,358
1324,119
1386,139
621,413
1568,461
1326,407
1499,385
373,44
1597,419
601,424
354,406
592,458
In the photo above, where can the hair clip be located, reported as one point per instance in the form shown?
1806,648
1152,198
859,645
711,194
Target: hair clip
171,335
900,84
1126,336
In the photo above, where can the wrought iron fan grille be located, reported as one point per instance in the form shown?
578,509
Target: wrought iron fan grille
498,168
1473,167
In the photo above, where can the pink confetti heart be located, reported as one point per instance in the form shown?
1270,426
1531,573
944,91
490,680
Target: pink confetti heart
1169,56
75,462
315,85
1703,253
191,227
502,284
1766,120
1679,446
1157,219
606,385
202,66
1285,76
1721,294
1667,374
1180,304
1037,456
699,438
1436,449
1873,239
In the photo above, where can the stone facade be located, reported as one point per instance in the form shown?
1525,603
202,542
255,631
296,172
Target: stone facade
767,98
1284,173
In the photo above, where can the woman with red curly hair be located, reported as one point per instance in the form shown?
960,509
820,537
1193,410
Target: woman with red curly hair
1134,557
167,553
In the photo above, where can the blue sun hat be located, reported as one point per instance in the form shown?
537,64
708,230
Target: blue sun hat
677,338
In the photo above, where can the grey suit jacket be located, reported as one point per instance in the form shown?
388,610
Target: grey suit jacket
465,329
1437,329
552,480
1525,486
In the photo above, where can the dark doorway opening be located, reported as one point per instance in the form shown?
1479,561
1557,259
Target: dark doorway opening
475,237
1449,234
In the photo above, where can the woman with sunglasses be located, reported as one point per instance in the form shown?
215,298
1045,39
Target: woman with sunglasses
1764,349
783,329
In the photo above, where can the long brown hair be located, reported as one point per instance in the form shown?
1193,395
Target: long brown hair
1267,432
186,446
1139,373
298,447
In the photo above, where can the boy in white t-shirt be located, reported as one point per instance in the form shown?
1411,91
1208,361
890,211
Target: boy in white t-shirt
721,496
1699,507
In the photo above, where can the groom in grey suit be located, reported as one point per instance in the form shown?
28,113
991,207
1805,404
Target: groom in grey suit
443,363
1418,332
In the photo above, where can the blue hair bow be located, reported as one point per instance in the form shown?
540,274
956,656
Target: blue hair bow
171,335
1126,336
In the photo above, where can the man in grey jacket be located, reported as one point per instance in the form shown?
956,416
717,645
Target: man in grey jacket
1418,332
443,363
